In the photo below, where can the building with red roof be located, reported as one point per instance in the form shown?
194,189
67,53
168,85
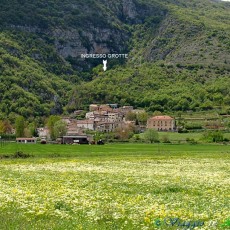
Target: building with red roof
161,123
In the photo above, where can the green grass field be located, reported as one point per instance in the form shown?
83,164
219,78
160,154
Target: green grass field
118,150
175,137
117,186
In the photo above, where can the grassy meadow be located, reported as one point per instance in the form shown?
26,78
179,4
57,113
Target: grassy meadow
117,186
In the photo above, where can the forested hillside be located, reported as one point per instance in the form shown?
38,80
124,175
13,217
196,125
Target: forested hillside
179,55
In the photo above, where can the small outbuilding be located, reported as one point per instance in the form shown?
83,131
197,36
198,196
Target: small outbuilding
26,140
78,139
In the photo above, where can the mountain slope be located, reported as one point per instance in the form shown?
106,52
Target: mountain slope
26,87
179,55
157,87
182,63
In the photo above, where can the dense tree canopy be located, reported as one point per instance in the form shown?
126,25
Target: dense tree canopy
179,54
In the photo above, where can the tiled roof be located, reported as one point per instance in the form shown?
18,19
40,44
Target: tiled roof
27,139
105,123
162,118
85,122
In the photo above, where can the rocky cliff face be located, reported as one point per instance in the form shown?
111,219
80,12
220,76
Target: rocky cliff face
73,43
110,35
129,9
41,43
106,35
68,42
75,28
100,26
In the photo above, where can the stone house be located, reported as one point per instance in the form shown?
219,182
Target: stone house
86,124
43,132
161,123
106,127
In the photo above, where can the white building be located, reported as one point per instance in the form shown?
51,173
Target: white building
43,132
114,117
86,124
26,140
90,115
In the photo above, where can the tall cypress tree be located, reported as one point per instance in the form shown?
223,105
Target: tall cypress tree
20,126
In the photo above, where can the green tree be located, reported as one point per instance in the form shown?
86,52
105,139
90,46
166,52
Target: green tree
157,113
2,127
151,136
32,130
7,126
50,124
20,126
60,129
97,136
130,116
124,133
142,118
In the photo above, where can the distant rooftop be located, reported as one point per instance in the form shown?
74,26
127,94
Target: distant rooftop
162,118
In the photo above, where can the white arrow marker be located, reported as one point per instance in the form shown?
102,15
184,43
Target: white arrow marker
105,65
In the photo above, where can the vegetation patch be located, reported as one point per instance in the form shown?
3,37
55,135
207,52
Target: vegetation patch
125,187
18,154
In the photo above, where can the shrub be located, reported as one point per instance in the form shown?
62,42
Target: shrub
151,136
165,139
191,141
213,136
193,126
20,154
180,130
